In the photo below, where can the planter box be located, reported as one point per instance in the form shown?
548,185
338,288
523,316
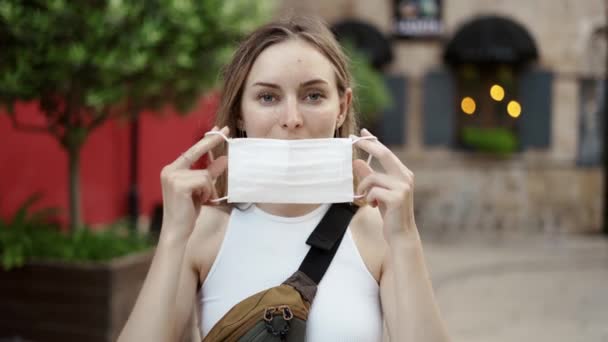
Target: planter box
58,301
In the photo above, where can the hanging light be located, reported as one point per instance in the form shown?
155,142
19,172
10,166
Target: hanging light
497,92
514,109
468,105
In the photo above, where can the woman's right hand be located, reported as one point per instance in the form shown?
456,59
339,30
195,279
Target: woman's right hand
185,191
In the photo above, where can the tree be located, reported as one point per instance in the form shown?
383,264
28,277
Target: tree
88,61
371,92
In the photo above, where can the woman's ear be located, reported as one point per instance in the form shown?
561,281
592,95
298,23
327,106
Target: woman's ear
345,102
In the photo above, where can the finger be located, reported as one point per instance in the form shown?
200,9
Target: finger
361,169
387,159
211,157
197,183
200,148
206,145
217,167
214,170
211,195
378,197
377,180
206,195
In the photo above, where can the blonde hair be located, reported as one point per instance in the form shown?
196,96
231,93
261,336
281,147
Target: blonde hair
311,30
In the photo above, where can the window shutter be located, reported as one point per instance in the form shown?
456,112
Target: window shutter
438,108
535,95
394,118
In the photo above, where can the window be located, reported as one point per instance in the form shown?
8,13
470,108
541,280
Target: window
488,108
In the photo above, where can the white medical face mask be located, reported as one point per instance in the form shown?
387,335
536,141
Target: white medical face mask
290,171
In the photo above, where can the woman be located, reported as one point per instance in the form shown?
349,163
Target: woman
288,80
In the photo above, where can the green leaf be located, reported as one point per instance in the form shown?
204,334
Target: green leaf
76,54
370,90
499,141
32,235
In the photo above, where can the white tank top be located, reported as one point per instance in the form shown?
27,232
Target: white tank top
261,250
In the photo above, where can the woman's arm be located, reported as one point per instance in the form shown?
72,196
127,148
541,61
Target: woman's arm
164,306
154,316
198,256
408,302
411,311
201,252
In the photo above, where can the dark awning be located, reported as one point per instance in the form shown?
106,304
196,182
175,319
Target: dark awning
491,39
366,38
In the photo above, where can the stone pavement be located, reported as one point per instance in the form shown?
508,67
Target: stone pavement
498,288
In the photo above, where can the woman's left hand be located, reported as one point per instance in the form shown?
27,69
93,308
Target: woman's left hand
392,192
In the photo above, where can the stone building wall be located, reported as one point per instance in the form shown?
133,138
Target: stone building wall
538,190
473,194
561,28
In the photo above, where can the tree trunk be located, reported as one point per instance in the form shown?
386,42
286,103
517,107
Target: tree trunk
133,196
74,182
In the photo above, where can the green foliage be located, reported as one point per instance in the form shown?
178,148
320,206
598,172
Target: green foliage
499,141
87,61
33,235
96,54
370,91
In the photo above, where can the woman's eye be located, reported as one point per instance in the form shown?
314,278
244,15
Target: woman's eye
315,96
266,98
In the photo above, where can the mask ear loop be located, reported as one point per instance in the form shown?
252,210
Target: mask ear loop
369,157
217,200
218,133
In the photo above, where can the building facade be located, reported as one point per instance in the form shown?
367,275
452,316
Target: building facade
542,104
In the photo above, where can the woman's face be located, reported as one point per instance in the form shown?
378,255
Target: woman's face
291,93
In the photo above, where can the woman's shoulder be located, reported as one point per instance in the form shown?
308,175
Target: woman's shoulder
207,236
212,215
366,228
368,223
367,218
211,220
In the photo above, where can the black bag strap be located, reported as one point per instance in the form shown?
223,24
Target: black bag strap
325,240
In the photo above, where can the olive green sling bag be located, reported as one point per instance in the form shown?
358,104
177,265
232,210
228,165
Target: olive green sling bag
280,313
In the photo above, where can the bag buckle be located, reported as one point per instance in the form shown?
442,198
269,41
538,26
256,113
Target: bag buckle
268,313
287,314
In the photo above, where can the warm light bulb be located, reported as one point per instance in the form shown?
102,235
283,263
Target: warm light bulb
497,92
468,105
514,109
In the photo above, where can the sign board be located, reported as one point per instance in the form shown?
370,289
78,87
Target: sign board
417,18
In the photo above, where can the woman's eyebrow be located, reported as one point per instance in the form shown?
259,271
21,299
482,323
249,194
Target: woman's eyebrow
314,81
264,84
304,84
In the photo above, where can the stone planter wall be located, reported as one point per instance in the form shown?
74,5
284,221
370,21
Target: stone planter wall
55,301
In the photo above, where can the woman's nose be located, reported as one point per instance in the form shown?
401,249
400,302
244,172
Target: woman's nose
291,118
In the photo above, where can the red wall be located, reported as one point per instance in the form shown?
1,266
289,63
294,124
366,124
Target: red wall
31,162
